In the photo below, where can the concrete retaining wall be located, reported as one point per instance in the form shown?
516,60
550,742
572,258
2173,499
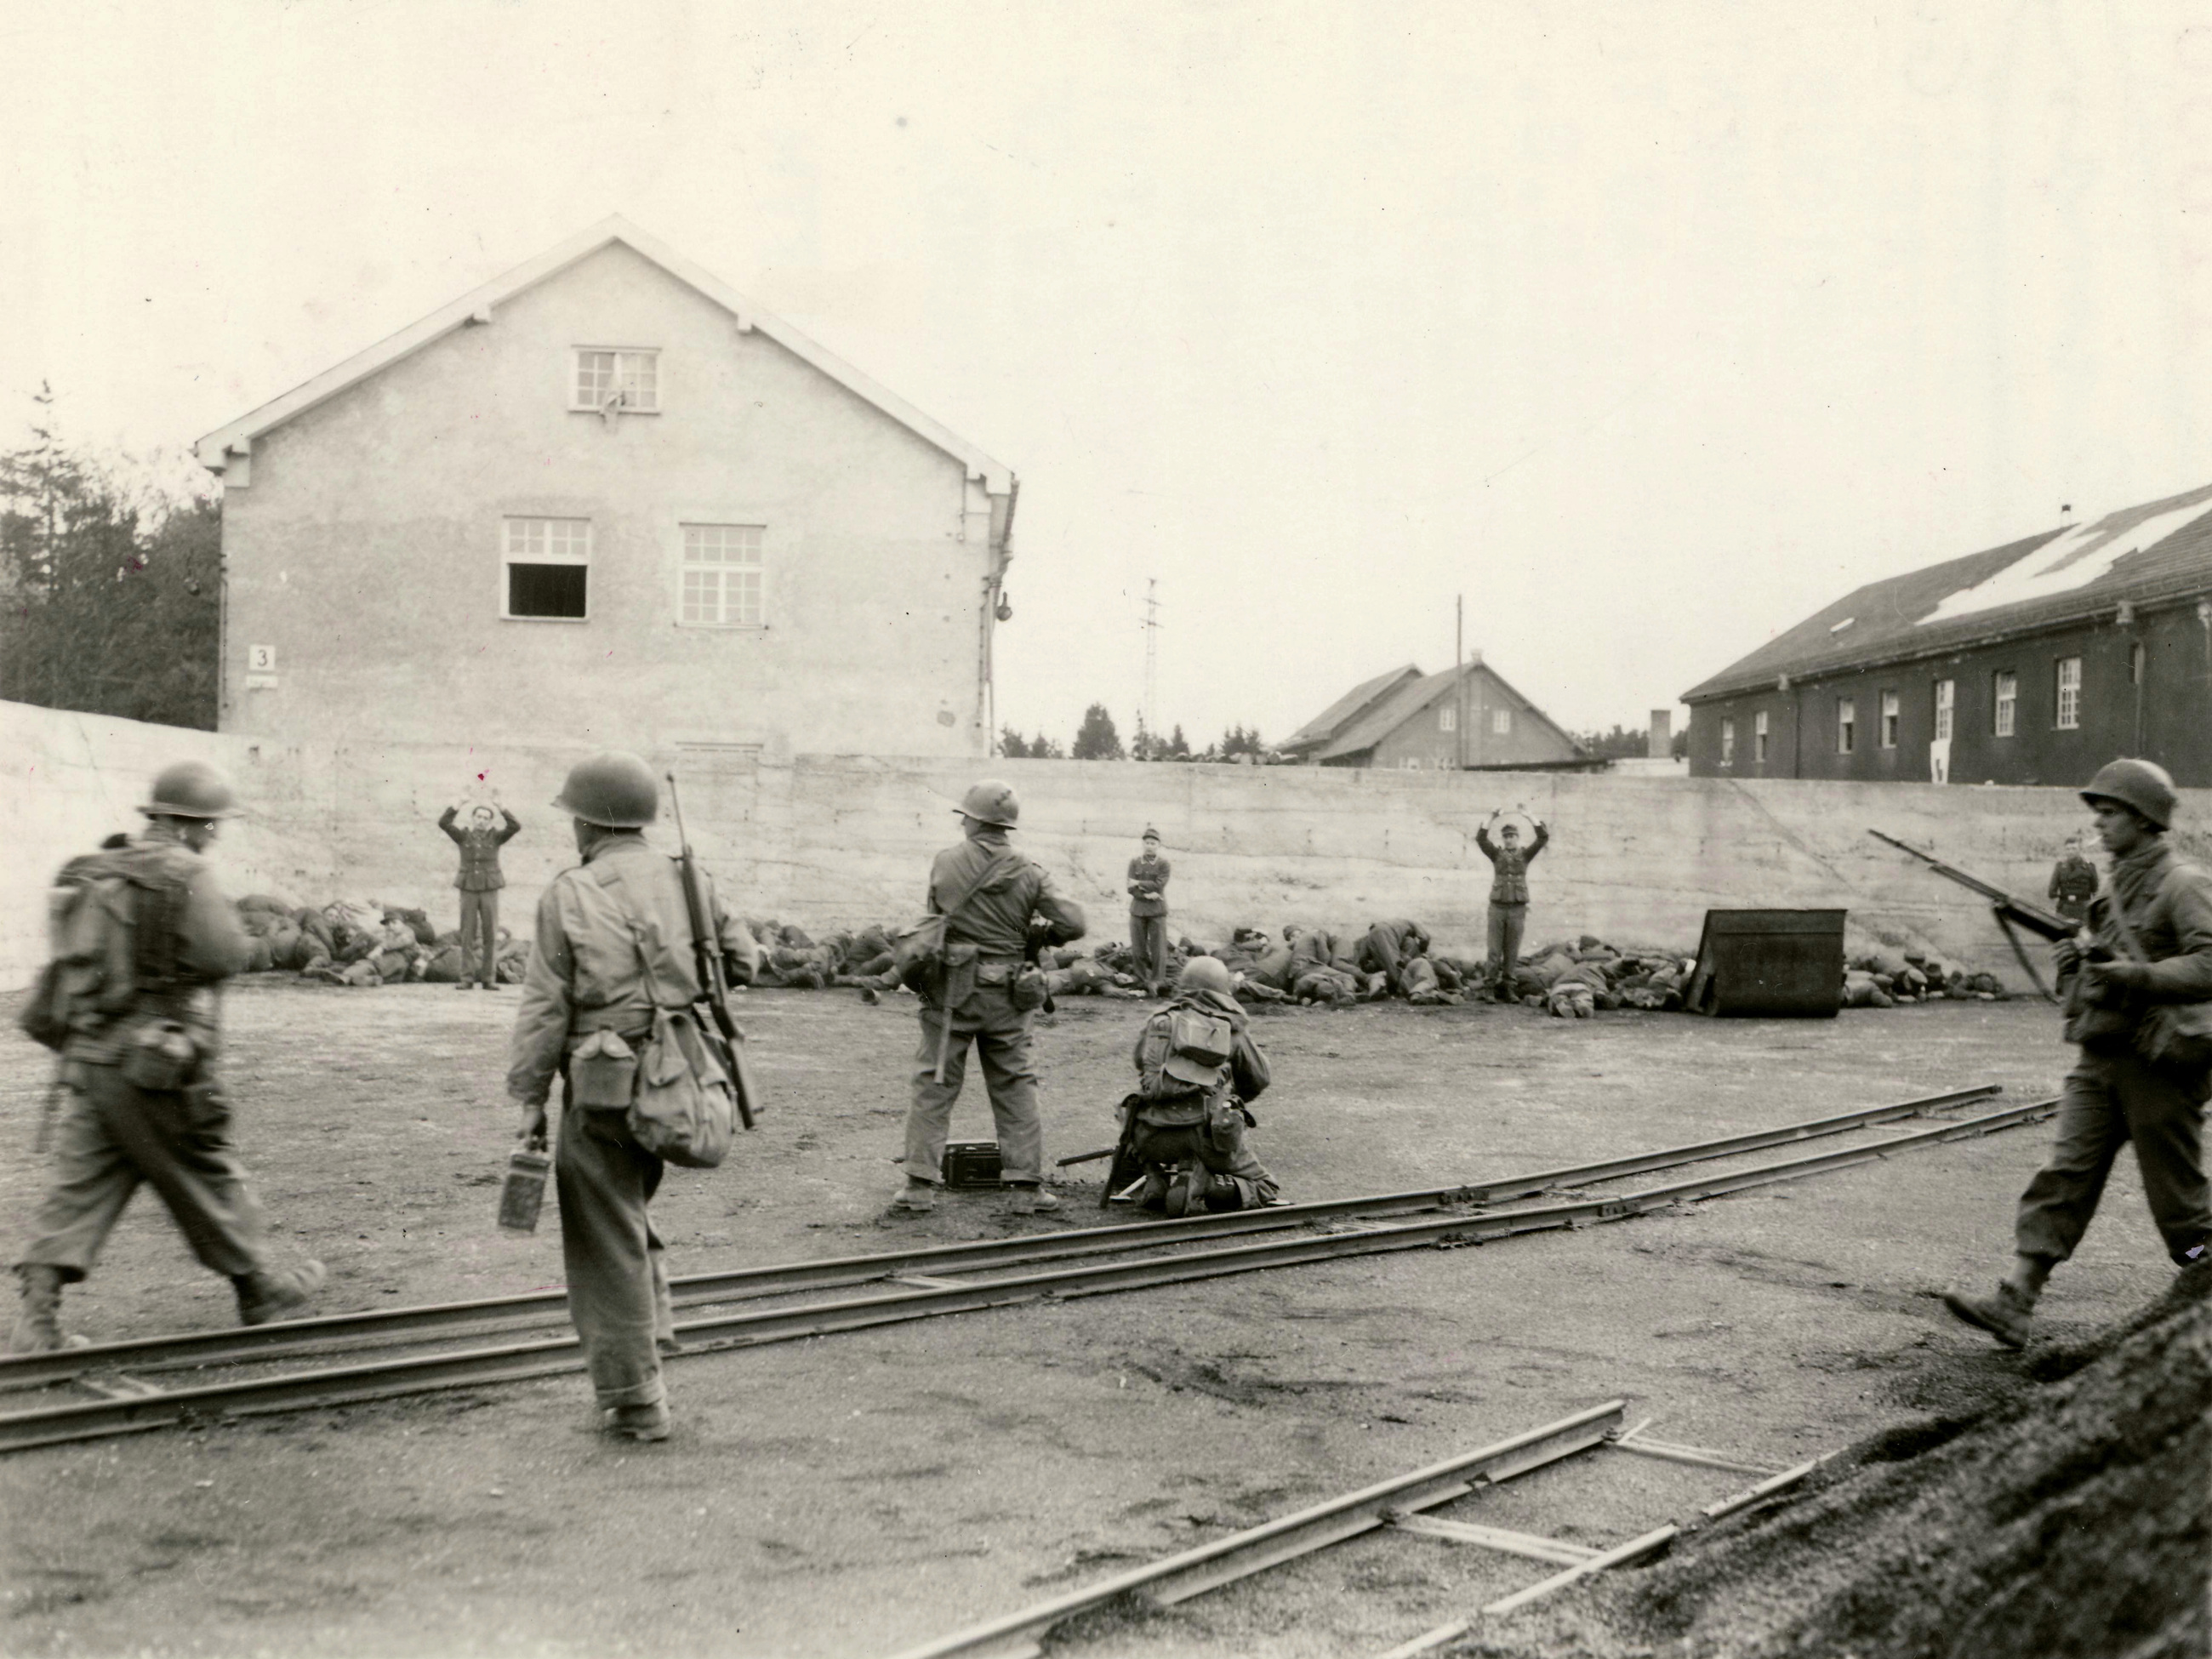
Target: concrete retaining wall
832,839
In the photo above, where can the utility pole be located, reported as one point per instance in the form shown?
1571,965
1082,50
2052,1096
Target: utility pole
1459,682
1148,716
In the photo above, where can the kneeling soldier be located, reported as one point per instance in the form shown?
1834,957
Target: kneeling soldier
147,934
1196,1066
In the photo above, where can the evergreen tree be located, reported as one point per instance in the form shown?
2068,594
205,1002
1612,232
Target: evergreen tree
1096,739
1011,745
1178,746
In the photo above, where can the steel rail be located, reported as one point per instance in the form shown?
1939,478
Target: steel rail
554,1356
1241,1555
298,1337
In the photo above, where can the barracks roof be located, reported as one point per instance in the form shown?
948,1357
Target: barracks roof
215,450
1380,721
1325,726
2160,550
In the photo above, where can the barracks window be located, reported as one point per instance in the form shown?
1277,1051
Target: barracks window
1727,743
545,568
2069,673
610,378
722,576
1847,724
2006,687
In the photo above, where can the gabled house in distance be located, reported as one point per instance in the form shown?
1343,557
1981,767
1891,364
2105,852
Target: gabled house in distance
2033,663
606,499
1468,718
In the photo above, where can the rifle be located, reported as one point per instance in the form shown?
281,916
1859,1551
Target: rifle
2009,911
714,987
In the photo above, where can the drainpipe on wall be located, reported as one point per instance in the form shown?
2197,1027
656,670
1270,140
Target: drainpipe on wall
995,609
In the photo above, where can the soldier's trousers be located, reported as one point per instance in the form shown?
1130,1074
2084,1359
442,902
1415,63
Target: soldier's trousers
1000,1033
1506,923
618,1286
113,1137
480,936
1220,1149
2108,1100
1148,944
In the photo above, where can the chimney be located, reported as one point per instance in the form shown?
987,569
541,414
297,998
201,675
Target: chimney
1661,744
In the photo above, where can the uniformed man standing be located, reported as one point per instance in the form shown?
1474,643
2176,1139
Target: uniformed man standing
1509,893
2073,883
149,936
614,942
479,880
2153,960
1148,913
991,897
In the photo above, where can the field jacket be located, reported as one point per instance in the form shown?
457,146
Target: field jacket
479,871
2168,905
1508,883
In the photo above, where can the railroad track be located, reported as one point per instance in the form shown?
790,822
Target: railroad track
163,1381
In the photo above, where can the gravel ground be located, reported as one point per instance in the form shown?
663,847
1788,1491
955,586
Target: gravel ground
857,1494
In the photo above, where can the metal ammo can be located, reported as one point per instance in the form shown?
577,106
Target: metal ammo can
523,1192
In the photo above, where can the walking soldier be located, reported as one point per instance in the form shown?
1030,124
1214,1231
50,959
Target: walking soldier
981,991
143,936
2139,1003
614,945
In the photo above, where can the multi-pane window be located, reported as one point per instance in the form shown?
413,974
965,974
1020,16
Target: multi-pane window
1758,737
548,564
1889,720
2069,694
1727,743
1947,704
2006,686
1501,721
617,378
1447,719
1847,724
722,574
1413,763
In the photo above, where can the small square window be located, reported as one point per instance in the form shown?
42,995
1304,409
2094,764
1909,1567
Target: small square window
547,574
623,379
722,576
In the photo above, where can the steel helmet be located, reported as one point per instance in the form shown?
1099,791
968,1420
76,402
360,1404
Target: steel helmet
991,802
614,789
1205,974
2141,784
190,789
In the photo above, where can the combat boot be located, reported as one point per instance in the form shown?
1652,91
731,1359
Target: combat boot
1034,1200
270,1293
2006,1315
919,1198
643,1423
38,1327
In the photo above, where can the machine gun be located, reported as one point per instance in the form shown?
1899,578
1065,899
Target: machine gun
714,985
2011,913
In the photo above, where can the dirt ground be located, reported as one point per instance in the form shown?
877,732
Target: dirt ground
856,1494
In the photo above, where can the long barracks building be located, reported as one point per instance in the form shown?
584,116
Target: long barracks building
2033,662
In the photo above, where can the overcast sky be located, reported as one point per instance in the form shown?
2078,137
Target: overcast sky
1650,328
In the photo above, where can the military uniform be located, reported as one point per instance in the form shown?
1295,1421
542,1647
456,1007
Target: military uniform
1509,898
2072,884
613,943
169,938
2114,1095
1178,1122
479,880
1148,917
1387,946
972,1001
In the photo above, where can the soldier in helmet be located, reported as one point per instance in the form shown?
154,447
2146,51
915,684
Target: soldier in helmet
146,935
613,943
1197,1066
2136,998
991,897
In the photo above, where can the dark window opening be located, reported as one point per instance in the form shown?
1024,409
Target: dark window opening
546,590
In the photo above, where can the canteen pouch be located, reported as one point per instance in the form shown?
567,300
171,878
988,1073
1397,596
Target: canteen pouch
1198,1046
1027,989
159,1057
682,1110
603,1072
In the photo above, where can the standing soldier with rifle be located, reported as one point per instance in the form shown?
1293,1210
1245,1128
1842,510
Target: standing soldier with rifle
2138,998
616,952
980,990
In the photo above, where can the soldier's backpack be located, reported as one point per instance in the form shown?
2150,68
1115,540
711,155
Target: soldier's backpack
1196,1061
112,926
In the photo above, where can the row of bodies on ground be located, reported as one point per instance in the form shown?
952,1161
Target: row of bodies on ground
360,942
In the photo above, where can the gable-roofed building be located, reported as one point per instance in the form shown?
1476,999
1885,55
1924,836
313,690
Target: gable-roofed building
1409,720
606,499
2033,663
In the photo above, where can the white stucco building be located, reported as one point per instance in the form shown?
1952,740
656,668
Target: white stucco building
604,499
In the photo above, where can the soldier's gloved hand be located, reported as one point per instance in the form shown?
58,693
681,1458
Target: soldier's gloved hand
2065,954
532,1130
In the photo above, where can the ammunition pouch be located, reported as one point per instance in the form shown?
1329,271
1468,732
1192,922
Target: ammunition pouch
1028,988
160,1057
602,1072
